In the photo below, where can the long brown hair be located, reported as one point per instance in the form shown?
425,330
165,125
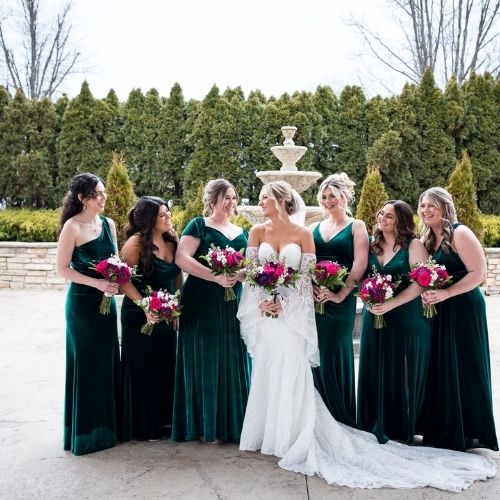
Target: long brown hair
404,230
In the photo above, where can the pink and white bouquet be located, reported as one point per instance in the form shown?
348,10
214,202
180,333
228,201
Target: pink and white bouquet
225,261
270,276
431,276
115,270
328,274
377,289
163,305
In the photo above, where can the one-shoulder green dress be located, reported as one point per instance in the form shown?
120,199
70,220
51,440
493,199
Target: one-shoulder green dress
148,361
212,370
334,378
92,356
393,363
458,403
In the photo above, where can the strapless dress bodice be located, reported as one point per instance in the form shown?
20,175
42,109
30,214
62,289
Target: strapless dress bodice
291,254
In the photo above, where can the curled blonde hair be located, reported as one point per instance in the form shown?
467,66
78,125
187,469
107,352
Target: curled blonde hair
443,200
281,191
342,188
214,190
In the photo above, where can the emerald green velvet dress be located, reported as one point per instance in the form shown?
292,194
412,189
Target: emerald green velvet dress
458,402
393,363
148,361
92,356
212,371
334,378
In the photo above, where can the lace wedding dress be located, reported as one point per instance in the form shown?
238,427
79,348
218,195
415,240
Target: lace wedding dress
286,417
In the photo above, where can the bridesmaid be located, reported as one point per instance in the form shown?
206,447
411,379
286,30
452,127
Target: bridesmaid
393,360
212,372
345,240
458,403
92,357
148,361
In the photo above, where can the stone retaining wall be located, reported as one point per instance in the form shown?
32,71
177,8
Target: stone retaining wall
32,265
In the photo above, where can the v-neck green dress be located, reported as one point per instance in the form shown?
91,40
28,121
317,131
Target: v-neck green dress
92,356
334,378
393,362
458,403
148,361
212,371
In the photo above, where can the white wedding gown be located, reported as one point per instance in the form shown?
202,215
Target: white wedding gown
286,416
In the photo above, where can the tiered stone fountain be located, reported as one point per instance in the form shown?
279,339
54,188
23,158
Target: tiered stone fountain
288,154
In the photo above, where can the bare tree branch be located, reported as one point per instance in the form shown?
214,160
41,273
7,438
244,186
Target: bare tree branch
47,59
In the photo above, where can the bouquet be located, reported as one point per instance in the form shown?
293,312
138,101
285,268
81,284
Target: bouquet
115,270
270,276
377,289
327,274
225,261
431,276
162,304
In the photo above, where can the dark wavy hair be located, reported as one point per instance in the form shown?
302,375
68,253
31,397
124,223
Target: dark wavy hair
81,184
404,228
142,220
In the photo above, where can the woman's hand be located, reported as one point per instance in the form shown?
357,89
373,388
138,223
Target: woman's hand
271,306
226,281
323,294
380,309
435,296
151,317
106,286
241,275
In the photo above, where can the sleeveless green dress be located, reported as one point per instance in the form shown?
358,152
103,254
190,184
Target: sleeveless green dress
458,402
148,361
334,377
92,356
212,371
393,363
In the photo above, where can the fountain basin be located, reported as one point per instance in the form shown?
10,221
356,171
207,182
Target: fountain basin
300,181
289,155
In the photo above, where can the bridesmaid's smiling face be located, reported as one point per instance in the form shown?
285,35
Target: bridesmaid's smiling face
386,219
329,201
431,214
163,220
227,202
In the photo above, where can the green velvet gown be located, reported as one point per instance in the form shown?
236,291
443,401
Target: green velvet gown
334,378
212,371
458,403
92,356
148,361
393,363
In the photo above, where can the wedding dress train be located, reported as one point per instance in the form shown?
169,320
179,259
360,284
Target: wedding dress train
287,418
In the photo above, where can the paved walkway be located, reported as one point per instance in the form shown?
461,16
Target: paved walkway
33,464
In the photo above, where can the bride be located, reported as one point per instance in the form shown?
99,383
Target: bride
285,415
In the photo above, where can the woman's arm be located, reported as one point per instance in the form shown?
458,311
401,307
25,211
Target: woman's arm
65,248
471,253
184,259
416,253
130,254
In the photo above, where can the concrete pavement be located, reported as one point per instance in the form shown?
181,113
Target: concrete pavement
34,465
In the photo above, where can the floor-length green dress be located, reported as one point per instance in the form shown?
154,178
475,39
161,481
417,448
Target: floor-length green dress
393,362
334,378
148,361
212,370
92,356
458,403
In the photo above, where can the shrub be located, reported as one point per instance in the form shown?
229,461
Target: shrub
491,225
373,196
29,225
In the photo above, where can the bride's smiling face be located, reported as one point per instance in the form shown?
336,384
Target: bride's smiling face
267,204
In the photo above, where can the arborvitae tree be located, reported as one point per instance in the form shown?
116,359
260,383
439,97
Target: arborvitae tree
386,153
35,185
373,196
215,139
79,145
173,151
351,123
454,104
13,143
462,188
4,100
482,137
256,154
278,114
194,206
114,138
121,197
377,118
326,143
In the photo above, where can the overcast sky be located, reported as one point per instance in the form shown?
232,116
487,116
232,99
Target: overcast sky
273,45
